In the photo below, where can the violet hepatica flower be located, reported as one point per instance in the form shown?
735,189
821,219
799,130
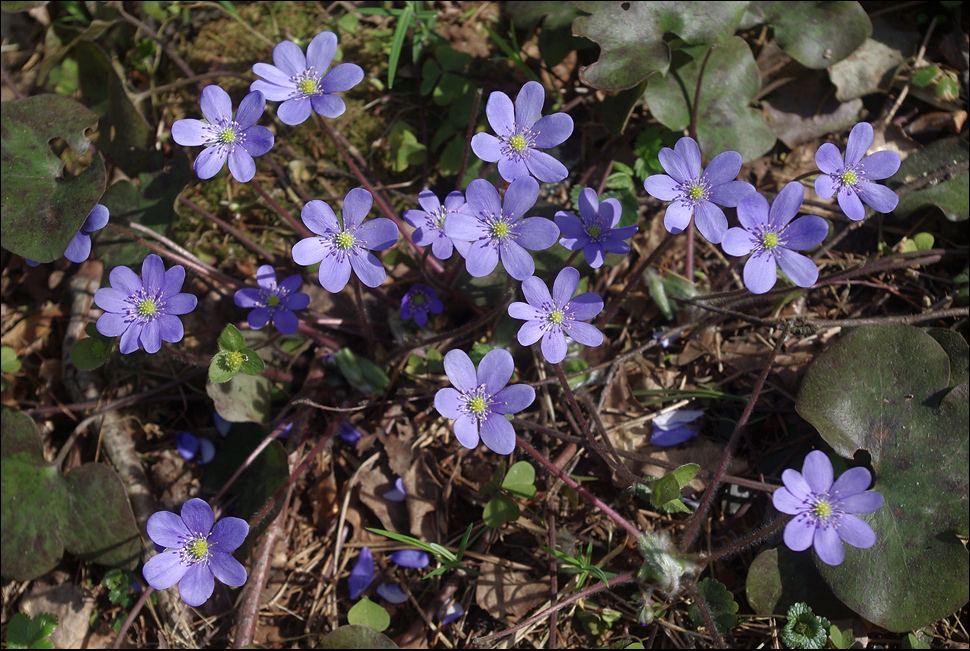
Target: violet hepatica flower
340,248
675,427
190,447
348,433
496,228
363,573
520,132
771,237
594,231
697,193
303,83
429,223
420,300
144,311
80,247
451,612
825,511
398,493
236,139
273,301
413,558
195,551
550,317
480,399
851,177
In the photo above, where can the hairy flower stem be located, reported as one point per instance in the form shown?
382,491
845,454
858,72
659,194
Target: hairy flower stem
693,527
689,252
747,541
595,501
472,123
363,314
612,460
132,616
295,223
634,280
701,604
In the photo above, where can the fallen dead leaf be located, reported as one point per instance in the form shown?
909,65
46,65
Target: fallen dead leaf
505,593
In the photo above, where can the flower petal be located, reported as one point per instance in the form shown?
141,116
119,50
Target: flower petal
828,546
319,217
799,268
585,306
250,110
229,534
663,187
487,147
500,113
828,158
678,216
191,133
495,370
368,268
536,293
850,204
881,198
517,261
392,593
860,139
723,168
553,346
584,333
289,58
690,154
784,501
498,434
552,130
817,471
342,78
528,104
799,534
565,285
79,248
460,370
334,273
536,233
738,242
216,105
710,221
377,234
196,586
805,233
413,558
729,194
448,402
481,258
198,517
357,204
520,197
166,529
294,111
753,211
329,106
285,321
241,165
785,206
466,431
675,166
867,502
545,167
321,51
856,532
851,482
259,140
363,573
795,483
880,165
513,399
227,569
164,570
209,161
760,273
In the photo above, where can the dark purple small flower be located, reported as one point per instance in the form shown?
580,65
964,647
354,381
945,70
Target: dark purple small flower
851,177
551,317
342,248
450,613
414,558
825,510
771,237
496,228
694,192
303,83
392,593
189,446
236,139
594,231
273,301
396,494
348,433
420,300
675,427
195,551
429,223
80,247
480,399
144,311
520,132
363,573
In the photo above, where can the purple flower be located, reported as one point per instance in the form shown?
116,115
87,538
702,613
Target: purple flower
413,558
189,445
348,433
80,247
225,137
595,229
521,133
694,192
302,82
675,427
496,229
771,237
396,494
342,248
420,300
273,301
222,425
195,551
551,317
429,223
825,511
450,613
851,177
392,593
144,311
481,400
363,573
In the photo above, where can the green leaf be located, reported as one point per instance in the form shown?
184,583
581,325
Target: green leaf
946,159
520,480
841,639
224,366
919,242
91,353
779,578
500,510
804,629
231,339
362,374
725,119
720,604
85,512
685,473
252,362
816,34
431,548
631,36
478,351
245,398
598,623
43,204
406,147
404,21
885,389
8,360
25,632
355,637
366,613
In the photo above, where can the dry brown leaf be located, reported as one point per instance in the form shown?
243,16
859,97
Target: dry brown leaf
67,603
502,592
374,482
423,500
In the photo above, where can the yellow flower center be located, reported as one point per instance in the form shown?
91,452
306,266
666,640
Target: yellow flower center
344,240
517,143
307,86
769,240
417,299
594,231
234,360
822,509
557,317
849,177
477,405
147,307
500,230
198,549
696,192
272,300
227,135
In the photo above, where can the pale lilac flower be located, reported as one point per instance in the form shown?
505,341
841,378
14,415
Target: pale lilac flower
396,494
480,399
450,613
675,427
273,301
694,192
195,551
825,510
851,177
144,311
413,558
392,593
551,317
429,223
189,446
418,302
496,228
340,248
771,237
363,573
236,139
348,433
79,248
520,132
302,82
594,231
